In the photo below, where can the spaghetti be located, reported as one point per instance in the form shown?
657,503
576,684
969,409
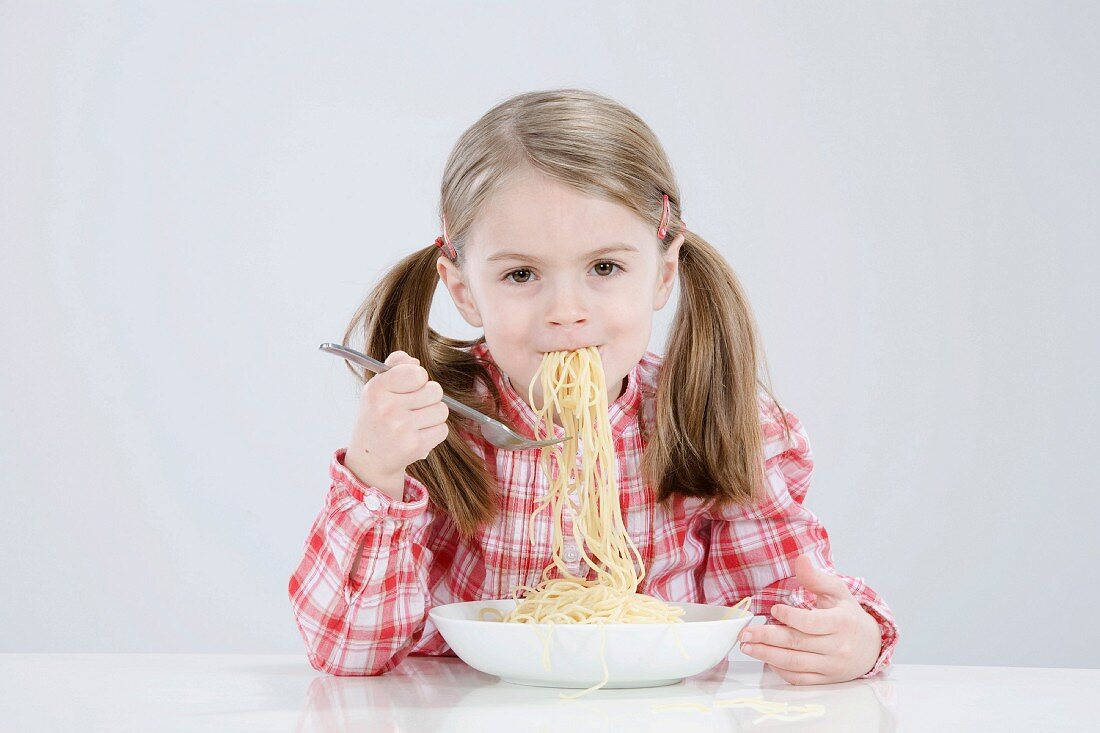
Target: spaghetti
573,387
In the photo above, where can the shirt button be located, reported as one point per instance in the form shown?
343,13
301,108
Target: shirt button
389,524
571,554
372,502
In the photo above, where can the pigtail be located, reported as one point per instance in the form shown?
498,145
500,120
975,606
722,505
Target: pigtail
707,439
394,317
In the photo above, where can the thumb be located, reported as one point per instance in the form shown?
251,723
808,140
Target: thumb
829,589
400,357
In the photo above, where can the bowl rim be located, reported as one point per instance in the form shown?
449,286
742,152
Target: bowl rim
450,619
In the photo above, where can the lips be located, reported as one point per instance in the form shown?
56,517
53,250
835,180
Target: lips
570,348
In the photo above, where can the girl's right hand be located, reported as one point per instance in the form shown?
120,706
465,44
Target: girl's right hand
401,418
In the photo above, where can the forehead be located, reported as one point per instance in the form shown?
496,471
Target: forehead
540,216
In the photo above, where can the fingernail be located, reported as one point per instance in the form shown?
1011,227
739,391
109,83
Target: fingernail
746,637
746,648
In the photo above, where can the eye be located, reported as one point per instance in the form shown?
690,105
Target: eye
607,269
522,276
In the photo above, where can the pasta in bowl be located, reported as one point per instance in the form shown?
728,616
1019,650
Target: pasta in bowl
590,655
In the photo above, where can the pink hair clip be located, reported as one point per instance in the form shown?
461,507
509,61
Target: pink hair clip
662,228
444,243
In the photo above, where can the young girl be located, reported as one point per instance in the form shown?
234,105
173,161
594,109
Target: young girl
562,229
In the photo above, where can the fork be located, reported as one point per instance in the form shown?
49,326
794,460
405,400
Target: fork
494,431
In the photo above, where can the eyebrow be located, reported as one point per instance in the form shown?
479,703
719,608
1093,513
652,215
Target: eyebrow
616,247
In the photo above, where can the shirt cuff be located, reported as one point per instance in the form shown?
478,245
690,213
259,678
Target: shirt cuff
889,633
414,502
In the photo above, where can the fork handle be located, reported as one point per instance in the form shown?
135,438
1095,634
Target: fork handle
378,367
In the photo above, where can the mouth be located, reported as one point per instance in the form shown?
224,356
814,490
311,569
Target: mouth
598,347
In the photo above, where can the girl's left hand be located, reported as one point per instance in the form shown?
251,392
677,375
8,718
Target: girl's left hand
835,642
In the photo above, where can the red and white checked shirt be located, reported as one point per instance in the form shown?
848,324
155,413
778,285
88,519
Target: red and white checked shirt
363,618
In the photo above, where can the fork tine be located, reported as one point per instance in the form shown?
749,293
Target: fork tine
540,443
504,437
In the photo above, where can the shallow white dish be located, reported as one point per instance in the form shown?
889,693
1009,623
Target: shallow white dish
637,655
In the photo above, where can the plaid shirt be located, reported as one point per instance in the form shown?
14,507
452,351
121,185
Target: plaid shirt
373,566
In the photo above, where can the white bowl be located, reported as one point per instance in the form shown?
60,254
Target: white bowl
637,655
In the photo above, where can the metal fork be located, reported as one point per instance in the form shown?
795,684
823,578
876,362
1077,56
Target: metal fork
494,431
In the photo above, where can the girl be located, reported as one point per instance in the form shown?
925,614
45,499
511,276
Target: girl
562,229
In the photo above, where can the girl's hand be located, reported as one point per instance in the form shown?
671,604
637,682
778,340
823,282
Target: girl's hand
401,418
835,642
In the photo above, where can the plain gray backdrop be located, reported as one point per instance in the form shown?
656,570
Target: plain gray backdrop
193,197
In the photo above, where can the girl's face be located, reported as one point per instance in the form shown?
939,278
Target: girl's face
548,268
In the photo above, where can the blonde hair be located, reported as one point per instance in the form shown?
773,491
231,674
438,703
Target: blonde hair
706,440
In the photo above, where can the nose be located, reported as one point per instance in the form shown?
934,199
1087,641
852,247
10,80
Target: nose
568,320
567,308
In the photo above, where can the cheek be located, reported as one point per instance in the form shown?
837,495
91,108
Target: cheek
509,334
630,316
509,325
629,332
497,308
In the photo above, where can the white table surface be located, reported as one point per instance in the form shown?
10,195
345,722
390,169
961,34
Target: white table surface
239,692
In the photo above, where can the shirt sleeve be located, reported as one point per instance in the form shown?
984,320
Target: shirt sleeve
752,548
359,592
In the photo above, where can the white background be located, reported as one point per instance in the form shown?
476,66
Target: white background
193,198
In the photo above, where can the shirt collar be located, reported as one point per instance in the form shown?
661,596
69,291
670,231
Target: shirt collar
621,413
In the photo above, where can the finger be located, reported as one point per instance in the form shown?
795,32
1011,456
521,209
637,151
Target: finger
430,394
786,638
429,417
818,621
400,357
435,435
397,357
405,378
800,678
819,581
787,658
